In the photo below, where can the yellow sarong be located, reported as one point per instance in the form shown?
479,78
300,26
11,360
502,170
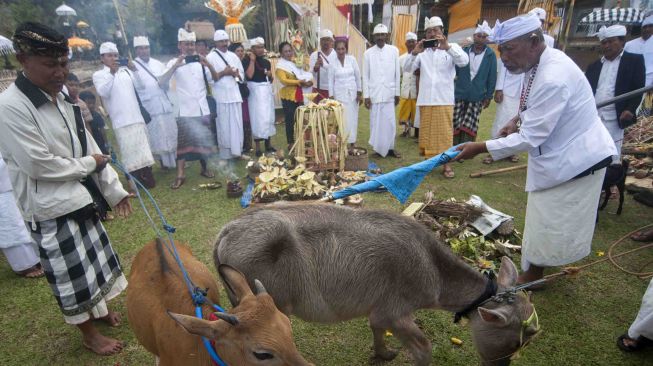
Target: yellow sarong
436,129
407,110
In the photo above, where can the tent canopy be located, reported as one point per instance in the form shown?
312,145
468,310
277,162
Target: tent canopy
625,16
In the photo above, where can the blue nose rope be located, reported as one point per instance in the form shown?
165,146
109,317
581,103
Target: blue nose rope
197,294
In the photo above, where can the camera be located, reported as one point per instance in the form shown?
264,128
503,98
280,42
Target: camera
430,43
123,61
192,58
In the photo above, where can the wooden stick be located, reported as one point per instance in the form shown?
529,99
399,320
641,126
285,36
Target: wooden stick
498,171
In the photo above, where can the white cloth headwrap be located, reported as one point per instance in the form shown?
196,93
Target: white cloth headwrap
541,13
326,33
410,36
140,41
258,41
483,28
648,20
380,28
611,31
433,22
220,35
108,47
184,36
515,27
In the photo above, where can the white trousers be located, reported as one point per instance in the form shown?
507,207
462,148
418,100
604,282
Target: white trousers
617,136
230,129
383,127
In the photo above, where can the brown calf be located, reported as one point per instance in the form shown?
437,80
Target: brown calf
255,332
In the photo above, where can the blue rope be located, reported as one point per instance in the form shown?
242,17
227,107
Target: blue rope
197,294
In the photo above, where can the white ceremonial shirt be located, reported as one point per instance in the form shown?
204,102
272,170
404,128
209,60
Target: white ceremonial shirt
345,80
605,87
153,97
191,89
381,74
644,48
119,95
408,80
475,62
327,61
437,74
560,129
548,40
226,88
509,84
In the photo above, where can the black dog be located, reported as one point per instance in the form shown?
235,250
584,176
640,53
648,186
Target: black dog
615,175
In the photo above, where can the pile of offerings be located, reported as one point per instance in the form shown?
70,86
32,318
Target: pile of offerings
473,230
277,179
638,138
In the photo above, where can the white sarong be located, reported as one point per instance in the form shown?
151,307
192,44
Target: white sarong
416,122
560,222
506,110
350,107
261,109
16,243
134,146
383,127
643,324
230,129
162,135
617,136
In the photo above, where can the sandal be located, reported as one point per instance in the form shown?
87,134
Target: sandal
179,181
36,271
635,344
514,159
207,174
449,174
488,160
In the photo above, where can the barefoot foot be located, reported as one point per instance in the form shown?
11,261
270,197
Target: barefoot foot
112,319
103,346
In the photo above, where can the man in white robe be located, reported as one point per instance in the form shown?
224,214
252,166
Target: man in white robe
541,14
320,61
408,94
643,45
640,332
162,130
227,97
381,84
117,85
568,148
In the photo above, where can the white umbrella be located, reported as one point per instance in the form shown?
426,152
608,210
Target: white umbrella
6,46
65,10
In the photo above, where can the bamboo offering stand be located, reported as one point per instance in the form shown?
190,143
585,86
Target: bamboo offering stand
319,136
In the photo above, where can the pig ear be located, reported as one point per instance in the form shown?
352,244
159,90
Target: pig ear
507,273
494,316
235,282
196,326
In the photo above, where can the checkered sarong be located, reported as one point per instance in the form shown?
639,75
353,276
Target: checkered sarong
79,262
465,117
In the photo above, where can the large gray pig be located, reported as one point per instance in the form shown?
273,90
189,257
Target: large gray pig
326,263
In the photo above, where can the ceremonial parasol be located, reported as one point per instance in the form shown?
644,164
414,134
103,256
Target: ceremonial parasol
65,10
6,46
76,42
625,16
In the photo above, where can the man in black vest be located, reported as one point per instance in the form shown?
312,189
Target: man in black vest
616,73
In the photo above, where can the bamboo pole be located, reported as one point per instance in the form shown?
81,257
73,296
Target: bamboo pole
497,171
570,15
122,28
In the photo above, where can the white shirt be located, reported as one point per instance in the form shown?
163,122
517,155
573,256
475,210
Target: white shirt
548,40
152,96
381,74
437,74
509,84
644,48
475,62
119,96
191,89
408,80
605,87
331,59
344,79
561,129
5,183
226,88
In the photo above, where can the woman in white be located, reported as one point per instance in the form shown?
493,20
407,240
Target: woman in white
345,87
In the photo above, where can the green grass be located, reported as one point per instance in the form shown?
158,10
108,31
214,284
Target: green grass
581,316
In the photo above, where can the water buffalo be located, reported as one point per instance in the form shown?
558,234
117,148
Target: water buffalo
254,332
326,263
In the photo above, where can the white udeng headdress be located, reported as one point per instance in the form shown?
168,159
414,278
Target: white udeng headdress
140,41
185,36
410,36
432,22
220,35
541,13
611,31
108,47
515,27
379,29
483,28
258,41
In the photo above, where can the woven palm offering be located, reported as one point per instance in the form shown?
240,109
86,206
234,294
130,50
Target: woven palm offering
319,130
